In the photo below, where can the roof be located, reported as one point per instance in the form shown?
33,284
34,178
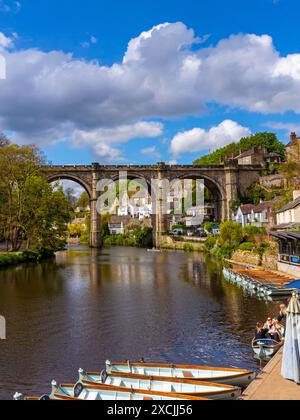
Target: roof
286,226
293,142
295,235
114,220
266,205
245,154
248,208
290,206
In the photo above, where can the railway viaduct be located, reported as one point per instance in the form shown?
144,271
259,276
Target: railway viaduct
225,181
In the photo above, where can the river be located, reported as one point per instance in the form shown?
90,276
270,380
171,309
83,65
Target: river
120,303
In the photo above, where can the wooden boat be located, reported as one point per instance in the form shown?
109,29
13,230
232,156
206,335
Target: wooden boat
85,392
226,376
167,385
266,348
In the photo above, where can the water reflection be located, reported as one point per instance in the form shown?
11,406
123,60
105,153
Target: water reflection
120,303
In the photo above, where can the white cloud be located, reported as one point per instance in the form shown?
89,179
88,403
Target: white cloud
165,73
5,42
198,139
288,127
151,152
10,6
92,41
101,141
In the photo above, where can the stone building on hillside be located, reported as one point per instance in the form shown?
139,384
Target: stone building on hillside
293,148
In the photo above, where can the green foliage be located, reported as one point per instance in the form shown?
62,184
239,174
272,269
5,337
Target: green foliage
188,248
251,231
31,210
138,237
231,234
210,243
83,201
247,246
216,157
209,226
269,140
27,256
76,230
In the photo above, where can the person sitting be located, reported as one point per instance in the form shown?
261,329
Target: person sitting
276,331
269,324
261,333
282,315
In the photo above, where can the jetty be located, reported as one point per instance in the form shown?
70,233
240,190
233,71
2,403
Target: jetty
270,385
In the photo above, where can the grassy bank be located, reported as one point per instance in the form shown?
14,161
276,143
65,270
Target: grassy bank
27,256
169,243
139,238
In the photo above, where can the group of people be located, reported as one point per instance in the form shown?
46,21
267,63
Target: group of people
274,328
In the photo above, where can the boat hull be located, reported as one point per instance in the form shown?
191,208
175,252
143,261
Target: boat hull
266,349
87,392
174,386
224,376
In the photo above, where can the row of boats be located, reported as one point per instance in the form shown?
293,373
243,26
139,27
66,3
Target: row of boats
143,381
265,290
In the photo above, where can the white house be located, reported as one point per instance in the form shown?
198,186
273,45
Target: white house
261,215
289,216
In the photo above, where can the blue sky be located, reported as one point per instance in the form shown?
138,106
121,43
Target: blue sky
182,89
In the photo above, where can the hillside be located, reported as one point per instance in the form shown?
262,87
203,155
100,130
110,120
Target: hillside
269,140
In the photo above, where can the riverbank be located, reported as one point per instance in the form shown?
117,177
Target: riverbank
27,256
173,244
271,386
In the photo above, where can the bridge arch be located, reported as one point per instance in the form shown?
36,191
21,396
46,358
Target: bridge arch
215,188
74,178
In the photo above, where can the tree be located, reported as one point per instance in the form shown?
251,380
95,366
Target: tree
30,209
83,201
269,140
231,234
4,141
70,194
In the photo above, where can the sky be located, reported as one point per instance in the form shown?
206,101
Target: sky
139,82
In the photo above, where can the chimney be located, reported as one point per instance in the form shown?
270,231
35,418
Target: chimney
296,194
293,137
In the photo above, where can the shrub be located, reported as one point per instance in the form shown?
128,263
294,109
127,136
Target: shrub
188,248
210,243
247,246
231,234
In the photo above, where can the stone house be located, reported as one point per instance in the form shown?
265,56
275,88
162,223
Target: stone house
293,148
289,216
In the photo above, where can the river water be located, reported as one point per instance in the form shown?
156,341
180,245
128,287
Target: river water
121,303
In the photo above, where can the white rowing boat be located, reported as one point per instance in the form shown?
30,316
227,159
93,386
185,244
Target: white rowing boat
266,348
85,392
167,385
226,376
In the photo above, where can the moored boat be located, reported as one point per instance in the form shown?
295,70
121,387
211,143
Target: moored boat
85,392
167,385
226,376
266,348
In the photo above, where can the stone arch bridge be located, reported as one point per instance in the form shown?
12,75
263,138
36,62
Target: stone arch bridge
224,181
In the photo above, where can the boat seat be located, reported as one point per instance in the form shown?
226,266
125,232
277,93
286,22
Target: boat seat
187,374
